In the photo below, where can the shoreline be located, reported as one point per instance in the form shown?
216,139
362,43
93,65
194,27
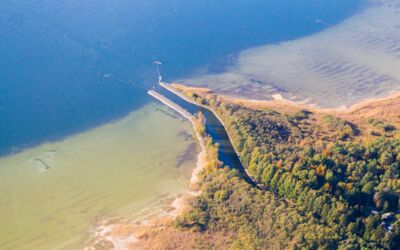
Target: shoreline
88,190
278,99
174,90
385,109
127,234
130,234
346,62
314,107
200,157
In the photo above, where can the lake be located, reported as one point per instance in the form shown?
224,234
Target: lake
67,66
80,139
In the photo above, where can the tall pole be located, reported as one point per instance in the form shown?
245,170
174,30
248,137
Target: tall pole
157,63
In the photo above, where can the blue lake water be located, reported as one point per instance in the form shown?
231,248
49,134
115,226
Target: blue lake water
66,66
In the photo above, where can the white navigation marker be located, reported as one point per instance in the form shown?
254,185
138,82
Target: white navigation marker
157,63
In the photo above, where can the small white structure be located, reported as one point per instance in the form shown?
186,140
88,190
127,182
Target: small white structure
157,63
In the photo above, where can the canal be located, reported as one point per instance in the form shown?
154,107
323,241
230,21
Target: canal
216,130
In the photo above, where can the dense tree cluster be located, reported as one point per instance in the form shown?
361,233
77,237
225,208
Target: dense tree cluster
325,189
254,219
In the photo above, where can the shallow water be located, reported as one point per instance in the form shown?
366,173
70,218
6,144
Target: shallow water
340,66
68,66
116,170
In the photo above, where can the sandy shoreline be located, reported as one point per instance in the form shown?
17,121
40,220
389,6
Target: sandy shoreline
278,99
383,108
353,59
127,234
69,186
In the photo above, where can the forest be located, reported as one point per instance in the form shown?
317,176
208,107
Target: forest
328,184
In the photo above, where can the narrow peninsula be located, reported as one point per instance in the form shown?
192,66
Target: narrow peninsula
332,179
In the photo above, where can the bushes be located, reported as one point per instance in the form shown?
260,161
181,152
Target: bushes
323,186
256,219
386,127
282,154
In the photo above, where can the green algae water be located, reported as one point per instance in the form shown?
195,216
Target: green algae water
53,194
